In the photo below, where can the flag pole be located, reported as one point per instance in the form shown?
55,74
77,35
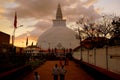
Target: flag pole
27,41
13,37
15,26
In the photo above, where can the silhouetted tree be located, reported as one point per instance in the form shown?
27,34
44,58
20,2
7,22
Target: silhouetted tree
86,29
116,32
104,27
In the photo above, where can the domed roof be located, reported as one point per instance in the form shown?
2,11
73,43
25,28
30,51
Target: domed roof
58,37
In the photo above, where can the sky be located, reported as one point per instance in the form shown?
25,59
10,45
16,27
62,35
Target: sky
36,15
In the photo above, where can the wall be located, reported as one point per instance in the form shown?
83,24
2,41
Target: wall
98,57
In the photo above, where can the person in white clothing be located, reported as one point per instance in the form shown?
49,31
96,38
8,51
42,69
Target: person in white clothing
36,76
62,72
55,72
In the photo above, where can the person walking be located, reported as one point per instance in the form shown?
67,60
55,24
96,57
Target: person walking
66,61
36,76
60,61
62,72
55,72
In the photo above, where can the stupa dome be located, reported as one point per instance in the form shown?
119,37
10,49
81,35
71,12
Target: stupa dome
59,36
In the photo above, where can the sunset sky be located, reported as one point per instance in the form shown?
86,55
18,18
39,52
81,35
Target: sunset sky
36,15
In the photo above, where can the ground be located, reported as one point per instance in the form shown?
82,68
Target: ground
74,72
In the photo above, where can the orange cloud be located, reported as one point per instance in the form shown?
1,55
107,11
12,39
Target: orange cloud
2,10
90,2
21,42
98,10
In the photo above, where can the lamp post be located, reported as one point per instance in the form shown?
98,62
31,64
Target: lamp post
13,35
49,47
80,44
95,55
106,57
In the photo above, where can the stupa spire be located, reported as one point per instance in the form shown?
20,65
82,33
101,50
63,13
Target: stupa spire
59,13
59,21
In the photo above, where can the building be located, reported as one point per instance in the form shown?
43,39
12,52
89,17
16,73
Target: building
32,50
4,42
58,36
4,38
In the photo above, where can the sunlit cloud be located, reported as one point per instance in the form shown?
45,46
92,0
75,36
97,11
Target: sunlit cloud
98,10
2,10
11,5
88,3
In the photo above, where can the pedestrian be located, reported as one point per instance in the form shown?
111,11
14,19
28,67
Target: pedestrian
36,76
60,61
62,72
55,72
66,61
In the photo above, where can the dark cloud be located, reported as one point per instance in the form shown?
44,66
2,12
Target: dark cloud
80,9
36,8
45,10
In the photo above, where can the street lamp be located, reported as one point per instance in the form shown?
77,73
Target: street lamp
49,47
13,35
80,44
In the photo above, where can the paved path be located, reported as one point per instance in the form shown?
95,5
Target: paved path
73,72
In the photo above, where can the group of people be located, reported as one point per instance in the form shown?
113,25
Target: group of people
56,72
59,71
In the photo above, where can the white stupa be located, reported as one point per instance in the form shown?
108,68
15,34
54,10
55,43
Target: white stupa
59,36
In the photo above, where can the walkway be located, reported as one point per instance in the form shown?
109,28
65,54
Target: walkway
73,72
